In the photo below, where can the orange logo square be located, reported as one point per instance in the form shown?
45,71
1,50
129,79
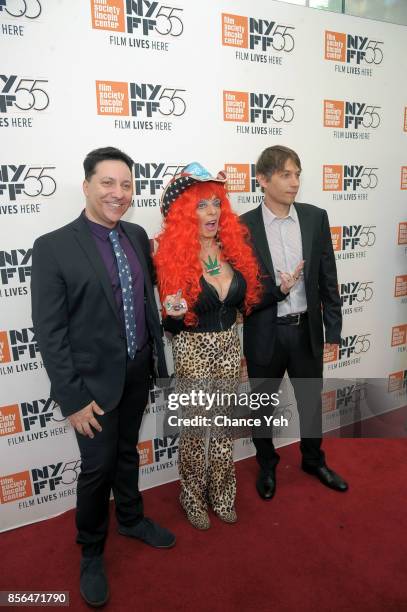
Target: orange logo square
398,335
328,401
331,353
10,420
235,31
402,238
235,106
112,98
400,285
145,450
396,381
332,178
4,348
403,184
405,119
336,235
238,177
107,15
334,113
335,46
15,486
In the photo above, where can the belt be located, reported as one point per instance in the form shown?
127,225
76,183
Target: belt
292,319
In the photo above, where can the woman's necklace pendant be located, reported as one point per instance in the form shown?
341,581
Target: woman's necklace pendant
212,266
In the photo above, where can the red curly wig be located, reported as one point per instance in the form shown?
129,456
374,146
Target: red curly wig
177,259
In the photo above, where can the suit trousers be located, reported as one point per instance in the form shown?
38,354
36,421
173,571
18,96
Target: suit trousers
110,461
292,352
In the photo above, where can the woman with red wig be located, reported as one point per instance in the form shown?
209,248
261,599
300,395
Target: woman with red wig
206,273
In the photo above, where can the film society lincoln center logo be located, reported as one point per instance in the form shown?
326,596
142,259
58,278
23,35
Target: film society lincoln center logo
399,337
350,351
241,180
144,18
151,105
257,40
19,351
353,54
264,112
349,181
351,119
158,454
352,241
39,485
31,420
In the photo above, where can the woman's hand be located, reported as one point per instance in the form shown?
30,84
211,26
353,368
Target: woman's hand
175,305
289,280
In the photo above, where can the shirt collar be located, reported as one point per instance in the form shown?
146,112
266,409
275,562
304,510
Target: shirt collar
100,231
269,216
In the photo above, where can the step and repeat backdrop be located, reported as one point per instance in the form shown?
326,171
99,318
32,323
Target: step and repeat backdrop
170,83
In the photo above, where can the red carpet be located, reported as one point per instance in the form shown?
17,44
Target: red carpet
310,549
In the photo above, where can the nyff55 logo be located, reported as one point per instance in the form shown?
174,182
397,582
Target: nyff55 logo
258,34
350,345
18,344
241,178
344,397
158,449
138,99
337,177
32,181
350,237
39,480
23,94
31,9
27,416
15,265
150,177
137,17
350,115
355,292
257,107
340,47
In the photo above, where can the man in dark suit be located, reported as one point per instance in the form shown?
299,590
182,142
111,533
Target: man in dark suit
98,329
292,242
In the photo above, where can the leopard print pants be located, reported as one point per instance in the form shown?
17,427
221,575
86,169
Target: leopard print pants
209,361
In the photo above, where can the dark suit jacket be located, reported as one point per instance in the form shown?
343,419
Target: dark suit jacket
321,284
76,320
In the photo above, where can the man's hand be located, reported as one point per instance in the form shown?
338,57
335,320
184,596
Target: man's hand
85,418
289,280
175,305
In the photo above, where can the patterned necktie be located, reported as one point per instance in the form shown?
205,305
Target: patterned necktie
127,293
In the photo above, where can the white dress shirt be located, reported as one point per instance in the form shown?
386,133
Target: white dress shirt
285,244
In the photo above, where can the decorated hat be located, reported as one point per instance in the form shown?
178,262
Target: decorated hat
192,173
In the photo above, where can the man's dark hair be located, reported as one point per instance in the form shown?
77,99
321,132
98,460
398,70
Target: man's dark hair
98,155
273,160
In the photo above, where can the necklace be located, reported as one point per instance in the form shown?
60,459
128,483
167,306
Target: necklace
212,265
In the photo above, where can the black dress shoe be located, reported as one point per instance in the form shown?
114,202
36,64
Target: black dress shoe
93,582
266,484
149,532
327,476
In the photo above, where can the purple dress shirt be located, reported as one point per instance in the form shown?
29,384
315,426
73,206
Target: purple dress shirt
100,234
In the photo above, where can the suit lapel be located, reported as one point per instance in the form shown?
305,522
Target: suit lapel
307,230
88,245
261,245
